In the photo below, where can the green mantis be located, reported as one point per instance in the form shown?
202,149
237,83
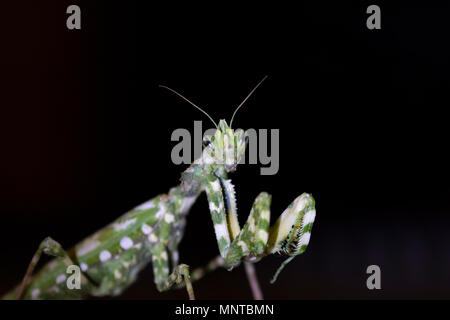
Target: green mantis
111,258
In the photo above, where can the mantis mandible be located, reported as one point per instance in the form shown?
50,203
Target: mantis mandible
111,258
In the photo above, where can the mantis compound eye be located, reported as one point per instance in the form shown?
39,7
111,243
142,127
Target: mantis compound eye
206,143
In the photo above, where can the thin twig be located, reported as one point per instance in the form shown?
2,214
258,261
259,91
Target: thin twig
253,280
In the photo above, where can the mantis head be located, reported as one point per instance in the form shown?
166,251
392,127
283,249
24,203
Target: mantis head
226,147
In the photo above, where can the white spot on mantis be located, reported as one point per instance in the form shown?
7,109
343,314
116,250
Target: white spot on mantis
35,293
126,243
146,205
152,237
61,278
265,214
164,255
221,231
52,264
146,229
212,207
251,223
304,239
105,255
243,246
160,212
263,235
309,217
117,274
87,246
169,218
124,225
216,186
83,267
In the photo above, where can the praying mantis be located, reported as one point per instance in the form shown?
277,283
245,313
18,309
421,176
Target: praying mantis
111,258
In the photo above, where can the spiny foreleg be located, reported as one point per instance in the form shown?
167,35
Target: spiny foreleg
222,204
217,209
290,234
251,241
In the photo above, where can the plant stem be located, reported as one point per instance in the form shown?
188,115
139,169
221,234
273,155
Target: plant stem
253,280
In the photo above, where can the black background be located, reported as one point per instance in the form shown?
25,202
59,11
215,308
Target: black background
86,133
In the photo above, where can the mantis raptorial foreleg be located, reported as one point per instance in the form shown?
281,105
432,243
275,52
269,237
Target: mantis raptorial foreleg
290,234
251,241
214,193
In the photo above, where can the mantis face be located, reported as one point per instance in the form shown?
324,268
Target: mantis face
226,147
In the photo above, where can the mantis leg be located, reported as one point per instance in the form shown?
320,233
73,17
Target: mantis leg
252,240
211,266
163,280
200,272
47,246
218,262
214,193
174,241
290,234
258,223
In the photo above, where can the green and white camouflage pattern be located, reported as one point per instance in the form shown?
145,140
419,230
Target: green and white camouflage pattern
111,258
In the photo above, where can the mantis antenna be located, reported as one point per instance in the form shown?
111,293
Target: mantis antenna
248,96
185,99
